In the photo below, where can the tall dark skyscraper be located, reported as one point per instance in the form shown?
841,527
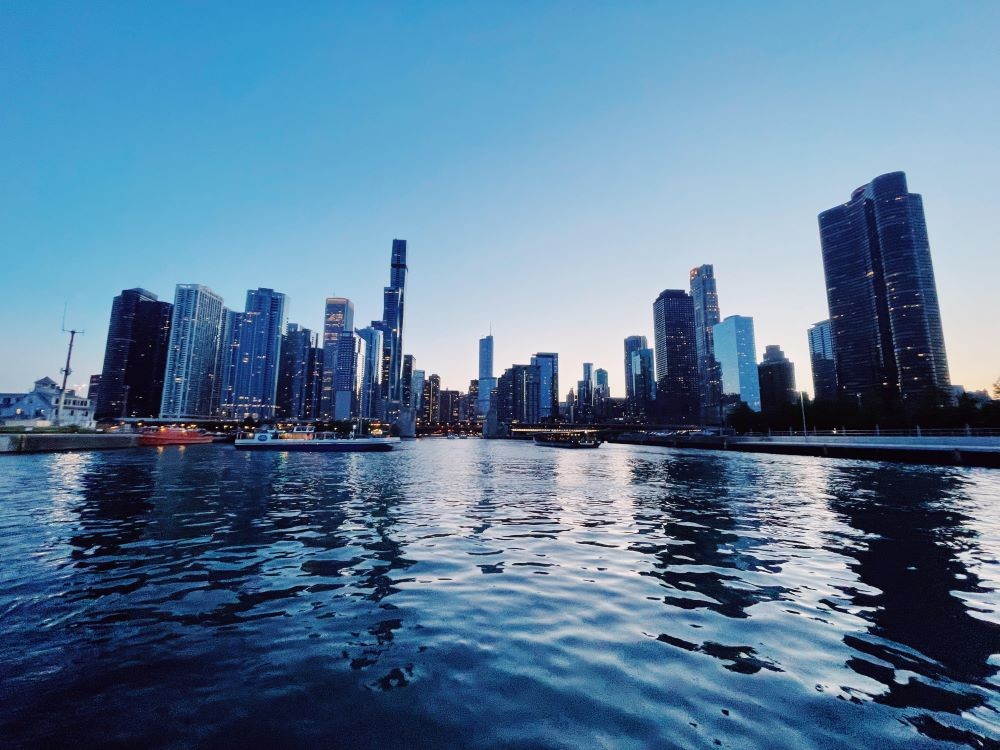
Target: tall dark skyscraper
824,367
296,373
884,315
391,326
632,344
135,356
706,314
777,380
409,364
676,357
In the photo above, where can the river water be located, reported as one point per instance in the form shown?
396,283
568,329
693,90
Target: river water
470,593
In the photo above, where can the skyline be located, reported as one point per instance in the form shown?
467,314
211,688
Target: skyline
530,187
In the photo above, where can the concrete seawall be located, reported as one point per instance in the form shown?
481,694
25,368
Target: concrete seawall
48,443
950,450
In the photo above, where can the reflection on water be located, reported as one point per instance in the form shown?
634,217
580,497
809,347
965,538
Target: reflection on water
495,594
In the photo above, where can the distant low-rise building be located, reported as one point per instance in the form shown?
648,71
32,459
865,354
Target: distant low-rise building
39,407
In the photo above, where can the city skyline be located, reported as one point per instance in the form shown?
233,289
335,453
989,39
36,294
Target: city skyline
658,155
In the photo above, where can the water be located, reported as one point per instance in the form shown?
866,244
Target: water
495,594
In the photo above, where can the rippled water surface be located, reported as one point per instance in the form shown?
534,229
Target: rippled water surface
496,594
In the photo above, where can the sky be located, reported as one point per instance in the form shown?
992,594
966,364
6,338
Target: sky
553,166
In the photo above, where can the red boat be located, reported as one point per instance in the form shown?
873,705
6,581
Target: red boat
173,436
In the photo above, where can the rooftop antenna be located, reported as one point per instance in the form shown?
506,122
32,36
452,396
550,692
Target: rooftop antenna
66,370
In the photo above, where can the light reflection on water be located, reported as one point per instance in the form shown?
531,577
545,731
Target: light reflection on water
473,593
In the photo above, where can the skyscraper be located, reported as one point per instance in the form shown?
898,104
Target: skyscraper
295,372
884,315
189,380
135,357
548,385
391,326
632,344
254,378
585,394
777,380
226,363
371,373
518,395
706,315
409,362
824,368
643,384
338,322
417,391
736,353
431,407
676,357
487,383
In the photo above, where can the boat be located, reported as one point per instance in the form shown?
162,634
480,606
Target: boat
574,439
151,436
307,439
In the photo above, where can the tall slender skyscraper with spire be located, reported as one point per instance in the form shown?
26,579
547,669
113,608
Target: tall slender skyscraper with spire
391,327
487,383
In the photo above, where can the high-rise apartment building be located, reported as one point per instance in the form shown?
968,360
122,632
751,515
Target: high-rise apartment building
518,395
370,385
250,379
338,323
135,357
409,362
632,344
884,315
417,391
431,407
676,357
736,352
777,380
296,373
706,314
548,385
643,384
189,381
824,367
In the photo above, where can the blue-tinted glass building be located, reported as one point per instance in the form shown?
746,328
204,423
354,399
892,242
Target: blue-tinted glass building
884,315
736,353
338,322
706,315
547,364
189,381
822,362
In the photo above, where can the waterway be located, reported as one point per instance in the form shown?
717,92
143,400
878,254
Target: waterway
494,594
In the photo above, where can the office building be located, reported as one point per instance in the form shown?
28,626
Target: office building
338,322
391,326
296,369
884,316
431,407
642,384
189,381
736,353
406,389
417,391
632,344
450,407
705,298
226,364
518,395
135,357
824,367
548,385
676,357
777,381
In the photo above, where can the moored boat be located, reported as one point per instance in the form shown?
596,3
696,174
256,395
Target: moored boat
306,439
151,436
569,439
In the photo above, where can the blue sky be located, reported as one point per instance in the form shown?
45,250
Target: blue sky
553,166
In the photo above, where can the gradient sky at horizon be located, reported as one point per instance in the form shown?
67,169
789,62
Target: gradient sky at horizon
553,166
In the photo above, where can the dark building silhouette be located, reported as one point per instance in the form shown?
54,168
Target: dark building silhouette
451,407
431,405
824,367
518,391
884,315
296,371
406,389
135,356
777,380
676,357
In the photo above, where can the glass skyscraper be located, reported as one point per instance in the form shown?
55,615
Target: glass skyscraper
643,383
548,384
189,381
487,383
296,373
250,383
706,315
632,344
135,356
338,323
371,373
884,315
391,326
676,357
736,353
824,368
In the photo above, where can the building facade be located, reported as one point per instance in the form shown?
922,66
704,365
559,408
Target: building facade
338,323
736,353
548,385
487,383
391,326
296,373
135,356
40,407
885,320
676,357
190,376
632,344
371,374
643,385
250,380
